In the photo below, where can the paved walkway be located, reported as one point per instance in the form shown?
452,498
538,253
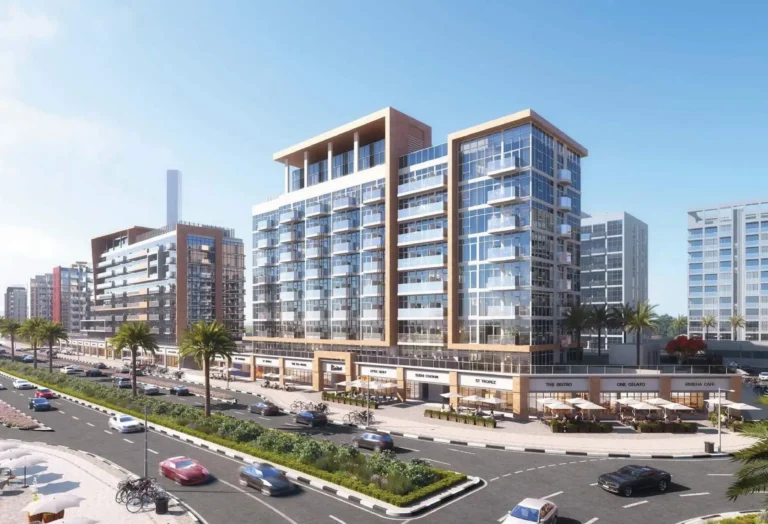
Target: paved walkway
409,418
76,473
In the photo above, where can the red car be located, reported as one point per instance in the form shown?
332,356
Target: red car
184,471
45,393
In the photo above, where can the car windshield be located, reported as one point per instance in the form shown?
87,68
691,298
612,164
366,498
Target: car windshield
126,419
525,513
44,390
632,472
40,401
188,463
270,472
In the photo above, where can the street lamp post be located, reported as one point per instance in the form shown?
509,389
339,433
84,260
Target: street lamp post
146,441
719,421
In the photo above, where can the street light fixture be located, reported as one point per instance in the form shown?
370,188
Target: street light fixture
719,421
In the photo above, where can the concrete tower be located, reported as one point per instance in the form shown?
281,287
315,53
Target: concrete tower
173,196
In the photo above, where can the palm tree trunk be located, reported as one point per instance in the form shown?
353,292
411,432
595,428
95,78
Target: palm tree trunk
133,369
578,346
50,356
637,347
623,336
34,355
13,348
599,332
207,377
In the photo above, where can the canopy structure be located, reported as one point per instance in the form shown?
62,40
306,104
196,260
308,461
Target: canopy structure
493,401
546,400
627,401
741,407
643,406
378,386
674,406
345,383
450,395
658,401
557,405
720,401
473,398
272,375
53,503
586,405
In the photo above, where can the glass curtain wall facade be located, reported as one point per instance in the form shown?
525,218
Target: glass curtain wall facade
73,293
41,297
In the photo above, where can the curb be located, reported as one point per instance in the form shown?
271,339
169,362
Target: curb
41,426
709,518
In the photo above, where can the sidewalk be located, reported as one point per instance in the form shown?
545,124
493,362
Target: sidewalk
76,473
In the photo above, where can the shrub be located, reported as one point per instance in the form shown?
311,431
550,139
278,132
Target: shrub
307,450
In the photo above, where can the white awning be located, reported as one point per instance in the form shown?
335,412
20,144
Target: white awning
674,406
658,401
558,405
742,407
644,406
450,395
721,401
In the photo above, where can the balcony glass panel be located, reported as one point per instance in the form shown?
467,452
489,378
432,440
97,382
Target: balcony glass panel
373,196
421,237
376,266
501,166
424,184
375,219
421,288
420,313
404,264
373,243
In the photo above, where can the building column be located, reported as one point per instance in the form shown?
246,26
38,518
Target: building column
594,390
281,370
329,167
357,151
253,368
665,387
287,176
401,384
453,380
736,384
306,167
520,397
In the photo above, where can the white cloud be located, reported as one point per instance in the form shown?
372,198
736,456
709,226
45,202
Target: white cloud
18,31
28,243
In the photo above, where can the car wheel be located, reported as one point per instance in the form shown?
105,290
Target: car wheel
663,486
627,492
242,482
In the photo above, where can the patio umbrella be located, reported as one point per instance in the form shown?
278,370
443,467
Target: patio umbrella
657,401
53,503
558,406
589,406
13,454
742,407
344,383
546,401
644,406
24,462
5,446
575,400
674,406
721,401
627,401
492,400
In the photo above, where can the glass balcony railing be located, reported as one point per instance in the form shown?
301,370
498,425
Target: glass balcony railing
422,211
288,316
288,256
564,177
265,225
289,296
316,231
423,185
341,314
373,291
503,282
564,230
421,237
373,220
564,203
431,261
431,313
316,252
372,314
315,294
501,253
316,210
376,266
265,261
265,243
422,288
501,311
341,248
503,223
288,236
374,196
500,167
288,217
373,243
320,314
342,226
420,338
503,195
316,273
343,203
343,270
289,276
341,292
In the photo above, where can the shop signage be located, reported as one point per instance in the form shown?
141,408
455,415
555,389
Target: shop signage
433,377
299,364
485,381
267,362
629,384
240,359
699,384
556,384
368,371
101,344
335,367
171,351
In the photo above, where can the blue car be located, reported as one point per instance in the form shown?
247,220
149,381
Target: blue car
39,404
311,418
28,359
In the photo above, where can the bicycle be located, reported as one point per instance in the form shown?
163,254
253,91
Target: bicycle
145,495
322,408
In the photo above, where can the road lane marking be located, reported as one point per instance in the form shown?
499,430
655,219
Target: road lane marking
438,461
502,518
552,465
152,451
263,418
337,520
541,467
593,484
530,469
239,412
63,413
636,504
90,424
563,464
494,478
518,471
254,497
128,441
108,432
719,474
695,494
553,495
74,417
408,449
508,474
592,521
460,451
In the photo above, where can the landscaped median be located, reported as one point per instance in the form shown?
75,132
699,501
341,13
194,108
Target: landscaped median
462,419
379,476
13,418
735,517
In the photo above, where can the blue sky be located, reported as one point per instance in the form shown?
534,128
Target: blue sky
99,98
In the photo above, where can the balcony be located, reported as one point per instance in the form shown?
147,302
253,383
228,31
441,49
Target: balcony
288,236
372,291
431,261
316,334
315,294
289,296
341,248
263,280
265,243
263,315
564,203
373,220
421,338
137,267
374,196
422,288
372,314
563,258
316,273
502,311
423,211
320,314
316,210
343,226
341,314
105,274
563,285
375,266
503,283
288,316
500,167
266,225
373,243
262,299
104,263
289,276
317,231
504,195
138,254
288,256
503,253
315,252
503,223
344,270
424,185
426,313
344,203
289,217
154,303
136,318
422,237
564,230
341,292
564,177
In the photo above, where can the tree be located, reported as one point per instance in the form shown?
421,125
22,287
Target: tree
10,328
30,331
620,317
577,320
683,346
134,335
736,322
753,475
708,321
599,318
664,326
642,320
204,342
52,333
680,324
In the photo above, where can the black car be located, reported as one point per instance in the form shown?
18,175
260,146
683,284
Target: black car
101,365
266,478
630,479
39,404
374,440
181,391
264,407
95,372
311,418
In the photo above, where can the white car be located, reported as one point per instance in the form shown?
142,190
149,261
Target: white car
70,370
763,375
2,387
541,511
22,384
125,424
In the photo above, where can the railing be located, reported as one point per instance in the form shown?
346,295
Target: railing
316,210
501,311
289,296
341,292
422,237
374,219
376,266
424,184
315,273
503,253
288,236
287,217
316,252
420,313
316,231
344,203
289,276
344,269
373,291
564,230
373,243
374,195
504,281
424,210
264,243
503,223
320,314
315,294
503,194
340,226
372,314
265,261
418,288
340,248
565,203
564,177
501,166
418,338
405,264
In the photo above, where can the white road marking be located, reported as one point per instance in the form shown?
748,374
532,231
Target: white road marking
90,424
108,432
63,413
508,474
636,504
128,441
518,471
337,519
152,451
409,449
562,464
263,418
438,461
719,474
553,495
530,469
541,467
257,499
552,465
695,494
460,451
494,478
502,518
239,412
593,484
74,417
592,521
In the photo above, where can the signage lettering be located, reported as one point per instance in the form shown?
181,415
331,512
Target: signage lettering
335,367
427,375
699,384
560,384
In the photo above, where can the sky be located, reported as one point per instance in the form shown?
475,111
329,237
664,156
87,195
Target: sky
98,98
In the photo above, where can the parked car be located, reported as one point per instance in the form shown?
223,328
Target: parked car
763,375
45,393
264,407
122,383
311,418
94,372
149,389
181,391
374,441
39,404
629,479
125,424
28,359
266,478
124,369
70,370
529,510
101,365
20,383
139,373
184,471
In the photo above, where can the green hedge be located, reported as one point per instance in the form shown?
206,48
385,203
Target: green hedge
463,419
341,399
580,427
380,476
666,427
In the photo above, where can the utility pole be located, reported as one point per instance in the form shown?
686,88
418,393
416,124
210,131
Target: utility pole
368,402
146,441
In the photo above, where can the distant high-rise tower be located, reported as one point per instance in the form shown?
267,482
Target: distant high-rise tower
173,196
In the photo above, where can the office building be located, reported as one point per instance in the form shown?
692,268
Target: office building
15,303
728,270
72,295
173,196
614,266
41,297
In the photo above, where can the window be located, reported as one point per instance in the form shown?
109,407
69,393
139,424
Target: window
615,294
614,277
614,244
694,267
614,227
614,261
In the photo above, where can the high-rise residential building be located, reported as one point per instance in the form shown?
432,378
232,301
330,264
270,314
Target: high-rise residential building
386,244
170,278
15,303
41,297
614,266
728,270
72,295
173,196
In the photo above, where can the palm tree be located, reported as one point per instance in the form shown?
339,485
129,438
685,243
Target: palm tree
204,342
708,321
52,333
599,320
577,319
134,335
10,328
30,331
753,475
680,324
736,322
644,319
619,317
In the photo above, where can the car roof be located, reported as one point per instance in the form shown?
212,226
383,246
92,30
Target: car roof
40,399
534,503
178,459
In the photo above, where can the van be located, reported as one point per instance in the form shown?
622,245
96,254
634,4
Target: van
121,383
